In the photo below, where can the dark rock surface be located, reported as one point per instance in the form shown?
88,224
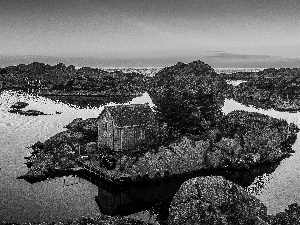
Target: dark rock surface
18,106
27,112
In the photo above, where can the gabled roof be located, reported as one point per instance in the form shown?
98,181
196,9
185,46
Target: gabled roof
131,115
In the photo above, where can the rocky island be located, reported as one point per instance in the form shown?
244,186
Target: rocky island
192,135
195,138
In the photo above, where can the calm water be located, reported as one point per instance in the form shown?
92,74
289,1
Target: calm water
67,198
55,199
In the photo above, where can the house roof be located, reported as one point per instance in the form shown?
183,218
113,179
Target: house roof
131,115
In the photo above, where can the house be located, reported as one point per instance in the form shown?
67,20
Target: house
124,127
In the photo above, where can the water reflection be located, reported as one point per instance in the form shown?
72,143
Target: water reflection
157,195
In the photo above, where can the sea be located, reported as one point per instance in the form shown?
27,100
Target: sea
67,198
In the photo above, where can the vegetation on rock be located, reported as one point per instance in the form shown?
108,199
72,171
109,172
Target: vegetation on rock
188,97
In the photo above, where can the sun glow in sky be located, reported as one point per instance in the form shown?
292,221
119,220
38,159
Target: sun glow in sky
149,28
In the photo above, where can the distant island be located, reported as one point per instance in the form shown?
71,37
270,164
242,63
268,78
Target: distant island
62,80
268,89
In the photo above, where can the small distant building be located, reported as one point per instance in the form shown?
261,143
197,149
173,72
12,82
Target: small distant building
124,127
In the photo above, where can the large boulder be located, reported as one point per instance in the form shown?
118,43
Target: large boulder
214,200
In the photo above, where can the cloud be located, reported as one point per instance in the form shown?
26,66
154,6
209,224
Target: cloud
215,51
244,56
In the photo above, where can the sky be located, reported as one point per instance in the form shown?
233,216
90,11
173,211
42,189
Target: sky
215,30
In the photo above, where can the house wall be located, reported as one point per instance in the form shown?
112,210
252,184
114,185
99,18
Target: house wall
131,137
125,138
105,131
116,138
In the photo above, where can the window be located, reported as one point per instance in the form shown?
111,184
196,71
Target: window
105,126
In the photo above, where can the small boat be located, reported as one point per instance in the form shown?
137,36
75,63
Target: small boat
57,168
77,169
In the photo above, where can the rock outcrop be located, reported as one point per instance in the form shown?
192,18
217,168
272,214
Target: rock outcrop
19,105
214,200
260,138
27,112
60,151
